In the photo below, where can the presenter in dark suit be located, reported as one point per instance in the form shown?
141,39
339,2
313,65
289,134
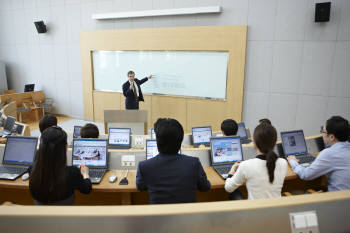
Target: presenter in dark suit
132,90
170,177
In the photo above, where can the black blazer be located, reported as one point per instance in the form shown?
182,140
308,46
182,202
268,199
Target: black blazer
171,178
130,101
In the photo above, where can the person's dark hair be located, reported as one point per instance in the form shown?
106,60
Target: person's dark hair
265,137
265,120
130,72
47,178
229,127
169,135
89,131
339,127
46,122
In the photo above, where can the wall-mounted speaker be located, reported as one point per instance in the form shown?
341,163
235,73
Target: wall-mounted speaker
322,11
40,26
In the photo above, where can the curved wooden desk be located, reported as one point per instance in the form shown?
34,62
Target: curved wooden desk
264,216
107,193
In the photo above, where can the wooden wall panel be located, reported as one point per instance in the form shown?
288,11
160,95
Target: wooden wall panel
189,111
103,101
169,107
204,113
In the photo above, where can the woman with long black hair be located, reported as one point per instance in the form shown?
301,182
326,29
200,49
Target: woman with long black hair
51,181
263,175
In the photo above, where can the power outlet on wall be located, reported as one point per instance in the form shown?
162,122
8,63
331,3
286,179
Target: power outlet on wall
304,222
128,160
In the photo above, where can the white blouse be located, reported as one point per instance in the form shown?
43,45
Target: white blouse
254,173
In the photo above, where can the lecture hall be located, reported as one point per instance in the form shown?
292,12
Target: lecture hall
174,116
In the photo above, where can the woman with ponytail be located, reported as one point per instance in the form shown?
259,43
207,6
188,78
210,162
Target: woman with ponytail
51,181
263,175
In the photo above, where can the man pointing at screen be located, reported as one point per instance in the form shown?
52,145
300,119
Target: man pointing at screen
132,90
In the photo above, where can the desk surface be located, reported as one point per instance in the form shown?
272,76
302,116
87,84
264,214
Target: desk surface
105,186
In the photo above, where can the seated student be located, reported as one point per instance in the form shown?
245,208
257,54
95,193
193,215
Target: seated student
334,161
46,122
51,181
229,127
263,175
265,120
171,177
89,131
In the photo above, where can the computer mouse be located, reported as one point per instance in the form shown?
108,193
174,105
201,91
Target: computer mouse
25,176
112,178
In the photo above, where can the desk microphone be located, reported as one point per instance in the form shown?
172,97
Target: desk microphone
124,181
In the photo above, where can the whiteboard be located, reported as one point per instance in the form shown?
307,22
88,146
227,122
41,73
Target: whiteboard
176,73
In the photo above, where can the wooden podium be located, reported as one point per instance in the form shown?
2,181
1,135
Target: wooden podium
134,119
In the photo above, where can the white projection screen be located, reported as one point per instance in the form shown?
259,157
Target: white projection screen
176,73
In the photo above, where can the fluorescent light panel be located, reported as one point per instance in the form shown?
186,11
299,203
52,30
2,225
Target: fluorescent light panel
150,13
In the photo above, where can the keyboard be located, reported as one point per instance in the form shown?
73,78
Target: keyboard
223,170
305,158
96,173
13,170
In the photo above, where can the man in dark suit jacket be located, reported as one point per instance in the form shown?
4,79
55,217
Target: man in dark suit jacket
171,177
132,90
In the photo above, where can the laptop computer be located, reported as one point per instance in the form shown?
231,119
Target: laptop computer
93,153
152,149
201,136
29,87
76,131
225,151
119,138
293,143
8,126
18,128
242,133
19,154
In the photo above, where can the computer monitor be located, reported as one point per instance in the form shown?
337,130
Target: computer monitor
29,87
119,137
152,149
293,142
92,152
201,135
20,150
242,131
76,132
9,123
225,150
153,134
18,128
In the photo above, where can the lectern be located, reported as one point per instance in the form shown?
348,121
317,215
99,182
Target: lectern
134,119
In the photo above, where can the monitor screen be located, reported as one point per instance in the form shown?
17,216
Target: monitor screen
153,134
119,136
29,87
241,130
201,134
9,123
293,142
152,149
89,152
76,132
226,150
18,128
20,150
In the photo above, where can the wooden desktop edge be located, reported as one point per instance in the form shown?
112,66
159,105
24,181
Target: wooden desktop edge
178,209
216,181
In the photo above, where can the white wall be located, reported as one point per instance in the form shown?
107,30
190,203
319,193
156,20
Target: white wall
297,71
